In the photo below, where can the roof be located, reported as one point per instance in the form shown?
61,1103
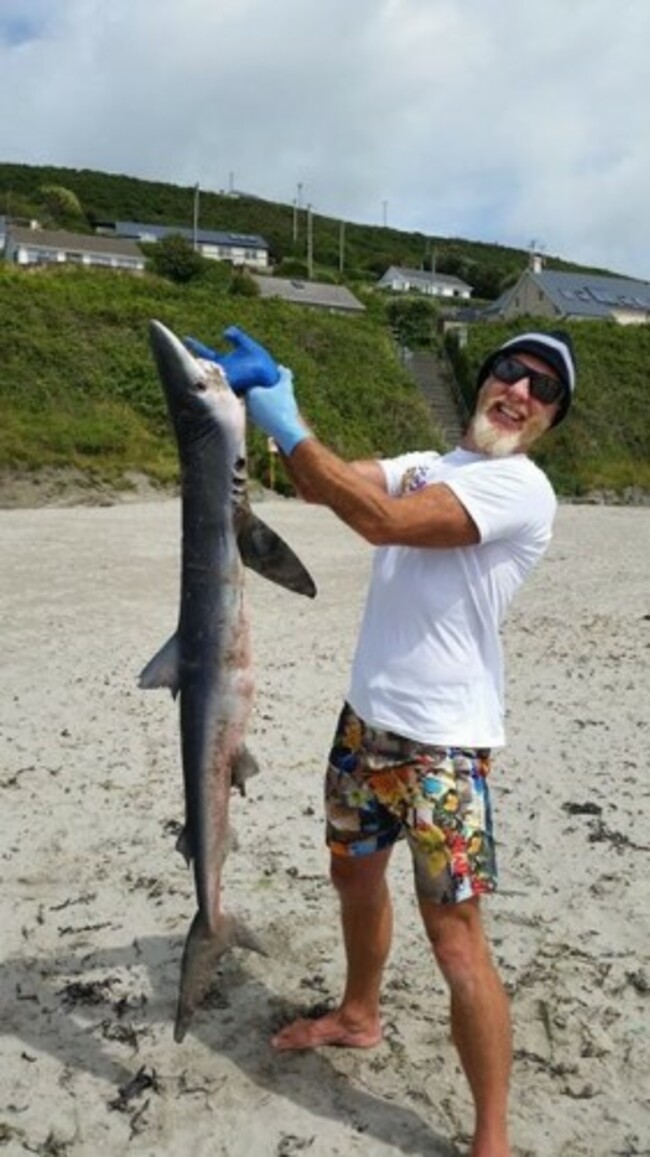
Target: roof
140,230
309,293
81,242
587,295
592,295
423,277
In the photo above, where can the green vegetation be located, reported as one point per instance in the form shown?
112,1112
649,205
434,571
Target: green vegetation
174,257
367,250
78,385
62,206
413,320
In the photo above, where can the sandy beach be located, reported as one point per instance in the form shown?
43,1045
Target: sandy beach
95,901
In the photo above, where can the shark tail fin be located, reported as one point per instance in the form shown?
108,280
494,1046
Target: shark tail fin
203,948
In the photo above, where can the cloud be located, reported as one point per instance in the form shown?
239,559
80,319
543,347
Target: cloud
488,119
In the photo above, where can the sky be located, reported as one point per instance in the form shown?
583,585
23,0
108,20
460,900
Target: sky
521,122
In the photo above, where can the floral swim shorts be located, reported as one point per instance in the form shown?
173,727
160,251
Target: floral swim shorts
381,787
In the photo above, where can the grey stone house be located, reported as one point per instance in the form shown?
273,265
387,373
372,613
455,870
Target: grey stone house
550,293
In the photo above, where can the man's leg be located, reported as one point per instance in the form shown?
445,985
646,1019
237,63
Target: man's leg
480,1016
367,922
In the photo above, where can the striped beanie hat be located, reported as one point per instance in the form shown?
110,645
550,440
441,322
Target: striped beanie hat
555,348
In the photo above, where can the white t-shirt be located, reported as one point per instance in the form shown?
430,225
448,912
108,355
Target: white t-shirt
428,663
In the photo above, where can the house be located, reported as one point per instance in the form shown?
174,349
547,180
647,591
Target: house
318,295
3,231
33,246
550,293
239,248
420,281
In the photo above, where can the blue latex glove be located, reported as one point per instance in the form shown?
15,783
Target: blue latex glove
249,364
275,411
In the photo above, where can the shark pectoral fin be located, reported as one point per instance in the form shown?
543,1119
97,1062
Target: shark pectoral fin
244,765
163,669
265,552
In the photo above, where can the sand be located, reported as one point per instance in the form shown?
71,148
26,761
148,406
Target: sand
95,901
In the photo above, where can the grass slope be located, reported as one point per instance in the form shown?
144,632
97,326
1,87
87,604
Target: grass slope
78,385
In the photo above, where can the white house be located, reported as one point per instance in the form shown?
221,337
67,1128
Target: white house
239,248
401,280
26,246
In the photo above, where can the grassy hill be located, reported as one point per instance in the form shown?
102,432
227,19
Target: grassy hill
368,250
78,386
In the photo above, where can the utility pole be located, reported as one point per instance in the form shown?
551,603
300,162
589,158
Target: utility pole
384,206
297,206
195,218
310,244
342,247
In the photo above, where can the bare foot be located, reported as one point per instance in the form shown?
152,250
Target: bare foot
326,1030
497,1148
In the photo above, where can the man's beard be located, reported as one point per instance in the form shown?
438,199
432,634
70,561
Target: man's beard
492,441
496,443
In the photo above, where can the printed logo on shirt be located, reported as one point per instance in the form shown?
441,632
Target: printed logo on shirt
414,478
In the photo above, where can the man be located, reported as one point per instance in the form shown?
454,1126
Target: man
456,535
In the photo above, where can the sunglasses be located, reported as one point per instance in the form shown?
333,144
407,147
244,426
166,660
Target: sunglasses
541,386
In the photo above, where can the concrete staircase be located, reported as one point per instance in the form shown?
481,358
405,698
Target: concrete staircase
435,378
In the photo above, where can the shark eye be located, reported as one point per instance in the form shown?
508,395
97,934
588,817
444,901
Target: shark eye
201,384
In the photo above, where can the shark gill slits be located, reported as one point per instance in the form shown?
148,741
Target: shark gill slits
239,479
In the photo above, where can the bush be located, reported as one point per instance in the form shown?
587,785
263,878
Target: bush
413,320
243,285
62,205
292,267
216,275
175,258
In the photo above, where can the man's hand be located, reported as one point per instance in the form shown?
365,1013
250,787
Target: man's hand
274,410
247,365
267,387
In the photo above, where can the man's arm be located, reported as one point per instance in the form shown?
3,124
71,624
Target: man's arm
433,516
356,492
367,468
